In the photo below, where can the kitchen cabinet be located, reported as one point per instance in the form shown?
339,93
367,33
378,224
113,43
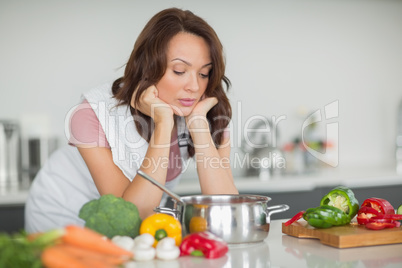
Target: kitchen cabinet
298,201
11,218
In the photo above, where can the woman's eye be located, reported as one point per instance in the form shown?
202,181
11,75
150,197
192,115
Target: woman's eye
204,75
178,73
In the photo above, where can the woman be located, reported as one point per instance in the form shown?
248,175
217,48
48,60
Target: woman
169,105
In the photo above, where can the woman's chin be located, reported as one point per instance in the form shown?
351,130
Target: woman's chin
183,111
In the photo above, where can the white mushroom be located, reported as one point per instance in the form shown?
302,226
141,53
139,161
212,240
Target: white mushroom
166,249
143,250
144,240
124,242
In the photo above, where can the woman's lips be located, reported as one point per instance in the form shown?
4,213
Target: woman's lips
187,102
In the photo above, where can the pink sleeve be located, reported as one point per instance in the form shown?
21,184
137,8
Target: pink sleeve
85,128
226,133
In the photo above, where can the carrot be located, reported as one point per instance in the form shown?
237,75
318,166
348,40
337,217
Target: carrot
53,257
86,254
89,239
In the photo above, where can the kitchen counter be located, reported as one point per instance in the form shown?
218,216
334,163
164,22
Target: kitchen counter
280,250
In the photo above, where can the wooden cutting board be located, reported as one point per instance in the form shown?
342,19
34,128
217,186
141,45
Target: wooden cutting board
347,236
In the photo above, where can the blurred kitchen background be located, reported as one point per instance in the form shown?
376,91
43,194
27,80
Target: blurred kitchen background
286,60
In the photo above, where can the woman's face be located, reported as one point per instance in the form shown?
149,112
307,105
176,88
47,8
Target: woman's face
187,73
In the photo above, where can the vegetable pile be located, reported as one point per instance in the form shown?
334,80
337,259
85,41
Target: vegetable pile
72,246
83,247
340,206
111,216
161,237
113,236
157,236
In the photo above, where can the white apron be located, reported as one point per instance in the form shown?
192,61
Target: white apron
64,183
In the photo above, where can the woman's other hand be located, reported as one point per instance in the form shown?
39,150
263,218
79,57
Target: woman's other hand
199,113
203,106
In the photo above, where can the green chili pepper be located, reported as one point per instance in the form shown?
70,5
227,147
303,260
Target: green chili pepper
343,198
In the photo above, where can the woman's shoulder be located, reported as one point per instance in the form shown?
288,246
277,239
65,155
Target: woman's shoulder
102,92
85,128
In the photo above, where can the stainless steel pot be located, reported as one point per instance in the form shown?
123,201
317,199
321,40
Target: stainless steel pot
235,218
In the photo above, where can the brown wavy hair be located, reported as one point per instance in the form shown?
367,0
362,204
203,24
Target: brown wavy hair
148,62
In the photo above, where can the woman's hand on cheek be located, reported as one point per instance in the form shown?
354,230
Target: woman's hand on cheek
197,118
203,106
151,105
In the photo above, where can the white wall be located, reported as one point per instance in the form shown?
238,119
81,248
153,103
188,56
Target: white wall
282,57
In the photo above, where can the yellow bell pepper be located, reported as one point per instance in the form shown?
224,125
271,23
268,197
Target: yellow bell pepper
162,225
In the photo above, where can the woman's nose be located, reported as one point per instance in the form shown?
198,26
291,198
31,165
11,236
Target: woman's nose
193,83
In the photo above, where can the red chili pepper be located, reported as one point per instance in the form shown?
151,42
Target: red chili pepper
296,217
203,244
381,225
394,217
379,204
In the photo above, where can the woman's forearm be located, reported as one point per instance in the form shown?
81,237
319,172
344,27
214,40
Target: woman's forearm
140,191
213,165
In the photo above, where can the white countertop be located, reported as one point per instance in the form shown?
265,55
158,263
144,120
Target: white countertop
354,178
280,250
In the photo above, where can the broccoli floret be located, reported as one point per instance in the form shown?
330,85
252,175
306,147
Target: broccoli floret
111,216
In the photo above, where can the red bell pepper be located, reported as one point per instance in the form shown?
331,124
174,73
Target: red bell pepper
379,204
373,207
377,214
203,244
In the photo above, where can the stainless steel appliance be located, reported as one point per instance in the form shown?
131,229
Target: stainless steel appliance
10,154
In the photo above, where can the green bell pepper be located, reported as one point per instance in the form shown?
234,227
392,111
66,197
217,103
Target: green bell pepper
343,198
326,216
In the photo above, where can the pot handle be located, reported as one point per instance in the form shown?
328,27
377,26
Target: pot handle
276,209
169,211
